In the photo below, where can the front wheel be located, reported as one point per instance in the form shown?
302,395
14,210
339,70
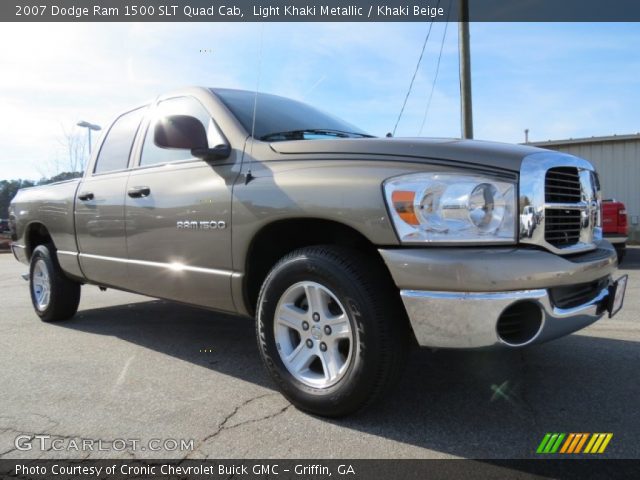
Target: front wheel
331,329
55,297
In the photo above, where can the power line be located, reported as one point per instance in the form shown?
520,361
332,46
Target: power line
424,45
435,77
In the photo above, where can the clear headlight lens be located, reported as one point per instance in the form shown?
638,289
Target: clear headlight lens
449,208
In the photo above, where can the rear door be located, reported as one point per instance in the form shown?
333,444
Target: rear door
100,199
178,216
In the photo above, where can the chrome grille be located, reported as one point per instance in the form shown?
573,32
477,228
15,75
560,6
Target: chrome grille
562,227
562,185
559,203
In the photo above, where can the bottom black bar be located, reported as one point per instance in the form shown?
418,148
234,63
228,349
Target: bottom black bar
316,469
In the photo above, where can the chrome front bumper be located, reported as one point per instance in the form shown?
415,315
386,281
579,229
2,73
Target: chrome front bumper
469,320
454,297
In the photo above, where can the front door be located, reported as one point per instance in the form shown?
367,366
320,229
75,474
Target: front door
178,217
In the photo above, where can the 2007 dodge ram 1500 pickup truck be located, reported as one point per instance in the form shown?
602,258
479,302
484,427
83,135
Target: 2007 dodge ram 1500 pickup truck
346,248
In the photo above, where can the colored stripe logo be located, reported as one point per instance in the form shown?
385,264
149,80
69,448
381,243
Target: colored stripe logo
593,443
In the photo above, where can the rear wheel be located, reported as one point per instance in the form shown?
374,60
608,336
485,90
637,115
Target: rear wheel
54,296
331,329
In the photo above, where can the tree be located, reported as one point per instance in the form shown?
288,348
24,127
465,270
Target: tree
72,156
66,164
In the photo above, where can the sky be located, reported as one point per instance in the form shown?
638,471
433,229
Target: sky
558,80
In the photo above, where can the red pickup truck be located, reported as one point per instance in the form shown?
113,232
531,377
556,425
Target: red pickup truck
614,225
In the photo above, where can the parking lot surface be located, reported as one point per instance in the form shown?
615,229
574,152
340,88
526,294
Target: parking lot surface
130,368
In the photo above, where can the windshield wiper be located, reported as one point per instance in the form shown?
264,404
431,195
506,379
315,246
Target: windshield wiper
299,134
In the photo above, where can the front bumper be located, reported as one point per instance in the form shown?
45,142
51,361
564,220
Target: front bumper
471,320
455,298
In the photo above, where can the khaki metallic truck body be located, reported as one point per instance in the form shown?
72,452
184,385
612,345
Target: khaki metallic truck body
329,180
208,232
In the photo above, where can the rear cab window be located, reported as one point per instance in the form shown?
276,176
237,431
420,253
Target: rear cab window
116,148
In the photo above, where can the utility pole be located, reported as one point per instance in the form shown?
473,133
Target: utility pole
466,108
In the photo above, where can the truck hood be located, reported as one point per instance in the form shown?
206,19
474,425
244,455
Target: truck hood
487,154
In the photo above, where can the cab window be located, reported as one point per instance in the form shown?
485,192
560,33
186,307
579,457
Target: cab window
116,148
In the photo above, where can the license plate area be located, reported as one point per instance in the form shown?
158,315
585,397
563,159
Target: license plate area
616,295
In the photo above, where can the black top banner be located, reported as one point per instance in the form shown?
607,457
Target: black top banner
324,11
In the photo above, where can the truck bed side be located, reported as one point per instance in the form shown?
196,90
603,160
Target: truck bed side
46,213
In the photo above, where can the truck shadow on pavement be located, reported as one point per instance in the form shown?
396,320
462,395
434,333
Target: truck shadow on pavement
468,404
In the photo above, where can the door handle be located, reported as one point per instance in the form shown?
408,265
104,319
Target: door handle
84,196
139,192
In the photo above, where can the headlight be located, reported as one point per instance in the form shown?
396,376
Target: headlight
449,208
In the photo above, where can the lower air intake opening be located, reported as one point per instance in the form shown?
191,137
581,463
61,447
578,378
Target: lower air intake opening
519,323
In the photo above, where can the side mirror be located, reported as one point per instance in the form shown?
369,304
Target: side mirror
187,133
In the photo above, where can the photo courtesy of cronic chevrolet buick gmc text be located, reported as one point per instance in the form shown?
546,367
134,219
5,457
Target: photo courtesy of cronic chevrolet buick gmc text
345,248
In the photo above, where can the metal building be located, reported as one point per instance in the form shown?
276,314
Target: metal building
617,159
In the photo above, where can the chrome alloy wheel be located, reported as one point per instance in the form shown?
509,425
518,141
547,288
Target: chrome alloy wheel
313,334
41,285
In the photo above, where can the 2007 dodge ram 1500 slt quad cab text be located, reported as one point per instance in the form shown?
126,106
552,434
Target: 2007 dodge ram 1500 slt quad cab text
346,248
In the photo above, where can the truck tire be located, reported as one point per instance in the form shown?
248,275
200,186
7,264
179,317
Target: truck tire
331,329
55,297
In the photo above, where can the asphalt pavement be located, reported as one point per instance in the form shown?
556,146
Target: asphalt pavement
130,370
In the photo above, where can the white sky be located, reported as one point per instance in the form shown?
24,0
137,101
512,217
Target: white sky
558,80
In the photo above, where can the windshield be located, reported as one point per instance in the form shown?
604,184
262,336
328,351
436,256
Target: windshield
280,118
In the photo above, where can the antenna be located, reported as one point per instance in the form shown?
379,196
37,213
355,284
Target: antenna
250,177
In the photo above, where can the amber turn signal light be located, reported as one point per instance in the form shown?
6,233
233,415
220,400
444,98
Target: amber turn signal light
403,205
